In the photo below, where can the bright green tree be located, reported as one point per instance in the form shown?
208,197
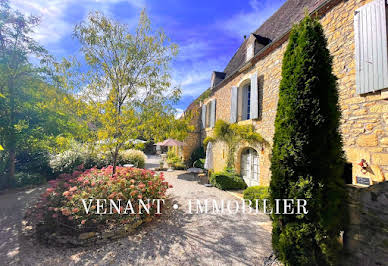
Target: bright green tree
125,82
307,157
233,135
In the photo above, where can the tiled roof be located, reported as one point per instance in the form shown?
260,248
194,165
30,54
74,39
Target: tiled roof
276,26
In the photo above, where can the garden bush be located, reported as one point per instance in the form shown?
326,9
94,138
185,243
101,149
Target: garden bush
33,161
131,156
175,161
81,157
227,179
200,163
197,154
307,156
259,193
22,179
61,211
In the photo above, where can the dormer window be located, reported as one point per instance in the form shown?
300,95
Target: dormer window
212,80
254,44
216,78
250,51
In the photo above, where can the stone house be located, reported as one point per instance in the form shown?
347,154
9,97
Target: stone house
246,91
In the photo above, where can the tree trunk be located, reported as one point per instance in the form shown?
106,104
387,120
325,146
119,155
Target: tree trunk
115,155
11,167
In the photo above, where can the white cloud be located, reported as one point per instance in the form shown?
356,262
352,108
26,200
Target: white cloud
179,113
53,17
244,23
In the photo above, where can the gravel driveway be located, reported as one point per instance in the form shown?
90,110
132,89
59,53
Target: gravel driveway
180,238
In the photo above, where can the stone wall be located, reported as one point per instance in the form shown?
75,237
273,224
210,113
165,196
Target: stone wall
364,124
366,238
193,139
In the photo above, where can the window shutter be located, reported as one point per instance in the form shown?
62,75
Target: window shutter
213,113
254,97
203,115
370,34
233,105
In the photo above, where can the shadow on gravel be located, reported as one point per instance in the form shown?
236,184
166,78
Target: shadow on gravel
12,208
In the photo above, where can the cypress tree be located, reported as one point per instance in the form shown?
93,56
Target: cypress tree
307,156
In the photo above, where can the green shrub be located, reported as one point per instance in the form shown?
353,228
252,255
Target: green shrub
199,163
198,153
61,211
33,161
227,179
307,157
175,161
82,157
179,166
23,179
131,156
259,193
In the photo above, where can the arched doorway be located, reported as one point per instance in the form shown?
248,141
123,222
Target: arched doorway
250,168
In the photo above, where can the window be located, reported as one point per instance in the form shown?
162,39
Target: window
208,115
250,51
245,103
370,36
248,102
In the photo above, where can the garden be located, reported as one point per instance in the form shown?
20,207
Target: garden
77,128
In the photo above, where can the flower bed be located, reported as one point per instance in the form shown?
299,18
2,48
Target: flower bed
60,215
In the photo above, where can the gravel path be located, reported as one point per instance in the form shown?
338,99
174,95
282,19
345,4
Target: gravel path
180,238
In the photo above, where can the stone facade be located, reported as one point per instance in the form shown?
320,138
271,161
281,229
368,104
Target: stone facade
366,238
193,139
364,117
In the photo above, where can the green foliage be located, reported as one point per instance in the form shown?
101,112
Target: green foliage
307,157
232,135
82,156
129,92
174,160
200,163
23,179
259,193
30,110
227,179
204,95
198,153
33,161
61,210
131,156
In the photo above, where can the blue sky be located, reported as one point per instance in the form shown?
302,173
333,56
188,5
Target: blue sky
208,33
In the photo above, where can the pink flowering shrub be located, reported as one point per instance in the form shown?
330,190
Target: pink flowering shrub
60,208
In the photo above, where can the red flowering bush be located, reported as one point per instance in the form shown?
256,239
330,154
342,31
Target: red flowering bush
61,208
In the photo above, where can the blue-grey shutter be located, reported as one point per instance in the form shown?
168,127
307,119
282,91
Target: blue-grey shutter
212,113
233,105
254,97
370,34
203,115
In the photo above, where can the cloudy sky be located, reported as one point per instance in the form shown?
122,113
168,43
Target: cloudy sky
208,33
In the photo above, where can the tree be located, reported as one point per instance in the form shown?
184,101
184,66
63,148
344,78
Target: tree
16,76
232,135
124,76
307,157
